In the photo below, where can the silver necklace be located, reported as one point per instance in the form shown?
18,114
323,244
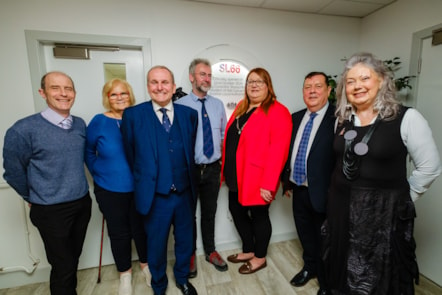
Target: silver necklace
114,116
237,126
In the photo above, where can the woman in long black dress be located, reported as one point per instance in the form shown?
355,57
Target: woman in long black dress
369,245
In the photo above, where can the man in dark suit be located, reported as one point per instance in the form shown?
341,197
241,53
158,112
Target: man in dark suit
159,139
307,173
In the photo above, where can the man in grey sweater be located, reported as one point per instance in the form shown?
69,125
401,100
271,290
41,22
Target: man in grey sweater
43,159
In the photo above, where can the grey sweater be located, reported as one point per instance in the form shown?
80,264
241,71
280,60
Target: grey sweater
45,163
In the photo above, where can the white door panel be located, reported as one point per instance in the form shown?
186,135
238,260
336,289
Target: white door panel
88,76
428,232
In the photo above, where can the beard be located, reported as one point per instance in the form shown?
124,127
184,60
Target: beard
203,88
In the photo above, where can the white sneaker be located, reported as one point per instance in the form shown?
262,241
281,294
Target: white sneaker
148,276
125,284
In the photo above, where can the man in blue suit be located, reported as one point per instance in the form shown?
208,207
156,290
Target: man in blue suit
308,179
159,139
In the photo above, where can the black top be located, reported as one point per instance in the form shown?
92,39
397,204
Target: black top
232,140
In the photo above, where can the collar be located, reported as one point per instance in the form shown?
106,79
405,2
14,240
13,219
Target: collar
319,112
357,121
196,98
54,117
157,107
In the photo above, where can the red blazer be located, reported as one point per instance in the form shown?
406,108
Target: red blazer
262,152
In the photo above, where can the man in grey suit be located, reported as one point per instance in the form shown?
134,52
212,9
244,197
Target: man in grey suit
306,175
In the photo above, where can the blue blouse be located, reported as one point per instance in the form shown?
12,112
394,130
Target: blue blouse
105,157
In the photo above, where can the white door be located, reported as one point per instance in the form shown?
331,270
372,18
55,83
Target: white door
89,78
428,231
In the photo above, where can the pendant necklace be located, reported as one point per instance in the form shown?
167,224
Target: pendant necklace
237,126
246,118
114,116
352,155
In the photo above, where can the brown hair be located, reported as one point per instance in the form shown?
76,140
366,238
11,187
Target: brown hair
268,101
43,79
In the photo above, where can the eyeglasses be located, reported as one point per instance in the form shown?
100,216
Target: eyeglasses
204,75
258,83
123,95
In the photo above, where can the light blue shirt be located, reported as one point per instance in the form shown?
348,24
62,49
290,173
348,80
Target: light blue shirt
218,120
54,117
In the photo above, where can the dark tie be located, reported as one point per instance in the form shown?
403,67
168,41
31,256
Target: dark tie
207,131
166,121
299,174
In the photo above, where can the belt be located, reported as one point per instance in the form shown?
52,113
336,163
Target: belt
204,166
299,187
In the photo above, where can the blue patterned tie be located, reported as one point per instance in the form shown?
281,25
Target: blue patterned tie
299,174
207,131
166,121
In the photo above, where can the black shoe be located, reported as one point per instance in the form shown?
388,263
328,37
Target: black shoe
323,292
187,289
192,274
301,278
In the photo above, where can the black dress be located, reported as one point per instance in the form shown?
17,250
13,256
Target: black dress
368,235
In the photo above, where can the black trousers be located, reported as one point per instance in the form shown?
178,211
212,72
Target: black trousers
208,180
253,225
308,225
124,223
63,229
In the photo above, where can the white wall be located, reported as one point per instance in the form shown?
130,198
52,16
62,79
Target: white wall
288,44
388,32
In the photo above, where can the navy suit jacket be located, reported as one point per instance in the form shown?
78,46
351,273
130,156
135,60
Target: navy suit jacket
320,161
139,133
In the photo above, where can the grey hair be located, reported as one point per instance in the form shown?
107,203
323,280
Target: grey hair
196,62
385,103
161,67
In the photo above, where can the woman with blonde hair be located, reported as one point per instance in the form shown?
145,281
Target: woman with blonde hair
113,182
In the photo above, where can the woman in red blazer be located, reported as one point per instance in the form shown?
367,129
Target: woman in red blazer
256,147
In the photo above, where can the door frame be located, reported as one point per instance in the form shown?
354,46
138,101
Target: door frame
427,247
415,59
35,40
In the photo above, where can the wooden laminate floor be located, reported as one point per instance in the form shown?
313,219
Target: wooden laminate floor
284,260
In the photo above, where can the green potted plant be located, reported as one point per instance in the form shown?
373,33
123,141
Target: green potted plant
402,82
332,83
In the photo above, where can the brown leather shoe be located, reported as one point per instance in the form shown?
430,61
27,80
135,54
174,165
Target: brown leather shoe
246,268
234,259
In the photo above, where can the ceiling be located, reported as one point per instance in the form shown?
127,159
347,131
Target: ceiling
352,8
